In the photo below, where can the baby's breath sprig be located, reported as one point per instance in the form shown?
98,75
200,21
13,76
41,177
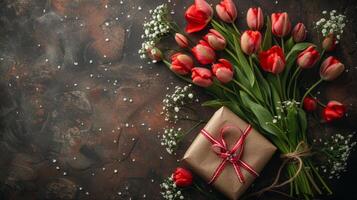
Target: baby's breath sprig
171,138
337,149
331,23
158,26
175,105
170,191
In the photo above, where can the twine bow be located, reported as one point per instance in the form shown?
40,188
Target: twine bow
302,150
233,156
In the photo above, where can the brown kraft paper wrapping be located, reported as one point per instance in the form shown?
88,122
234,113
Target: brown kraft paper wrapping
204,161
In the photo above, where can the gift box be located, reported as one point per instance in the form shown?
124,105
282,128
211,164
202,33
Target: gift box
228,153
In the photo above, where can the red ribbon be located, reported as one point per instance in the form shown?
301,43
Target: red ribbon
233,155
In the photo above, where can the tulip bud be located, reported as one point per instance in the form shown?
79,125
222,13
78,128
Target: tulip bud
181,40
308,58
250,41
223,70
255,18
334,110
202,77
281,24
310,104
182,177
204,53
181,63
215,40
299,32
227,11
329,42
154,53
272,60
331,68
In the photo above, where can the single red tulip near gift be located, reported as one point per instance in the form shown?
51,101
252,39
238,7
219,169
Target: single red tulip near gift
181,40
181,63
198,16
227,11
310,104
299,32
223,70
182,177
204,53
329,42
255,18
215,40
250,42
334,110
331,68
281,25
308,58
202,77
273,60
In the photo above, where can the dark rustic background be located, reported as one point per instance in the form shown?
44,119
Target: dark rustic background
80,115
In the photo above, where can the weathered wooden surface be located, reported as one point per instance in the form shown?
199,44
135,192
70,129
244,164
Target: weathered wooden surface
65,125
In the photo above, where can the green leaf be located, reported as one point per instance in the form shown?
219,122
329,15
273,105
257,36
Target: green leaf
263,116
276,100
267,42
303,120
292,120
297,48
244,62
217,103
289,44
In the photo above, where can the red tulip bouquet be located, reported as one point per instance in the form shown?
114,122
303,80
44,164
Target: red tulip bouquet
256,75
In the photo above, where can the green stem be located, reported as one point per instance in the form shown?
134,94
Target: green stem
282,44
320,178
295,85
246,90
232,55
309,90
281,89
195,126
295,74
236,29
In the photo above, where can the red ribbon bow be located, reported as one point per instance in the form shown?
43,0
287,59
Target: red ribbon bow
233,155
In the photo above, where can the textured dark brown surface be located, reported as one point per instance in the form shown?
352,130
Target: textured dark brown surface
62,89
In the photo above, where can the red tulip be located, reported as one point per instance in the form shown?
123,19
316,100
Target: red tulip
255,18
181,40
181,63
182,177
198,16
281,24
329,42
331,68
250,41
308,58
202,77
272,60
333,111
299,32
223,70
204,53
215,40
227,11
154,53
310,104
